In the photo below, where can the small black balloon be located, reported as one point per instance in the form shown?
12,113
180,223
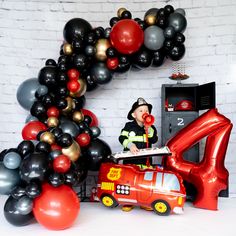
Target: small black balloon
168,44
62,58
137,19
64,140
38,109
43,147
62,66
143,58
71,178
87,131
82,125
80,61
56,132
56,179
179,38
161,22
79,102
107,32
13,216
18,192
95,131
142,24
113,21
123,59
47,76
33,190
161,13
25,147
123,67
78,45
177,52
87,120
126,15
91,38
90,50
99,32
61,103
62,78
111,52
62,92
50,62
91,84
158,58
48,100
168,10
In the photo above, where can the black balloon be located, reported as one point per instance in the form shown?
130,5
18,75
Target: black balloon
99,32
79,102
123,67
71,178
61,103
168,44
50,62
38,110
161,12
91,84
100,73
25,147
18,192
35,166
13,216
64,140
113,21
161,22
91,37
90,50
43,147
80,61
56,132
179,38
78,45
56,179
177,52
62,66
168,9
76,28
82,125
142,24
107,32
62,78
111,52
87,120
48,100
126,15
158,58
97,151
62,92
33,190
47,76
143,58
62,58
95,131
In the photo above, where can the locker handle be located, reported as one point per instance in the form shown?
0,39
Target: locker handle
170,128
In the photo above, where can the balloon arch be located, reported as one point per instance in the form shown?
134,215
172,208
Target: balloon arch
60,139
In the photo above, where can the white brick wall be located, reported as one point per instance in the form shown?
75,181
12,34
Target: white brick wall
31,32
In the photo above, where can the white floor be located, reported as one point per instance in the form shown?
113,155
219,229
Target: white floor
94,219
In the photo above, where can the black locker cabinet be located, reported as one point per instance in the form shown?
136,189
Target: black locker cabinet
180,106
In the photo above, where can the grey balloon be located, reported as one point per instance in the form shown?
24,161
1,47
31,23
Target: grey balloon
24,205
30,118
169,32
178,21
181,11
100,73
9,179
42,90
25,93
54,154
153,37
95,131
70,127
12,160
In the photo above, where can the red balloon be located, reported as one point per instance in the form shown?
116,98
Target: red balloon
92,115
61,164
31,129
127,36
210,175
57,207
73,85
112,63
53,111
73,74
83,139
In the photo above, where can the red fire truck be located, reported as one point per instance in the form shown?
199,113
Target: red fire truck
161,190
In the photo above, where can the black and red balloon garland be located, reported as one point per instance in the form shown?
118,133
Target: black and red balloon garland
60,138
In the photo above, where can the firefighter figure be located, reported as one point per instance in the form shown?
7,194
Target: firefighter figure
133,135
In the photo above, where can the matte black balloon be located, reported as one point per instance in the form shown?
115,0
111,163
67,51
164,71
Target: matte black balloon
100,73
61,103
179,38
76,28
62,78
123,67
161,13
78,45
99,32
48,100
56,179
18,192
71,178
13,215
80,61
91,38
168,44
168,10
47,76
107,32
126,15
143,58
33,190
43,147
169,32
97,151
25,147
35,166
50,62
177,52
158,58
87,119
62,66
113,21
62,92
56,132
111,52
38,110
79,102
62,58
65,140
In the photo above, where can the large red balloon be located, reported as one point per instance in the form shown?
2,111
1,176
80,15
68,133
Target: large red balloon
92,115
210,175
31,130
127,36
57,207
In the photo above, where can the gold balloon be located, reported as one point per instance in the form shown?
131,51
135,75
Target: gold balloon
78,116
67,49
101,46
82,89
52,121
70,105
47,137
150,19
73,151
120,11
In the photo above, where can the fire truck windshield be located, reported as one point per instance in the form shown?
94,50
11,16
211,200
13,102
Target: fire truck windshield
167,181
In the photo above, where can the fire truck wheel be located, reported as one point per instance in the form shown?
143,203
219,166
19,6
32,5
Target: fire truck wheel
109,201
161,207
